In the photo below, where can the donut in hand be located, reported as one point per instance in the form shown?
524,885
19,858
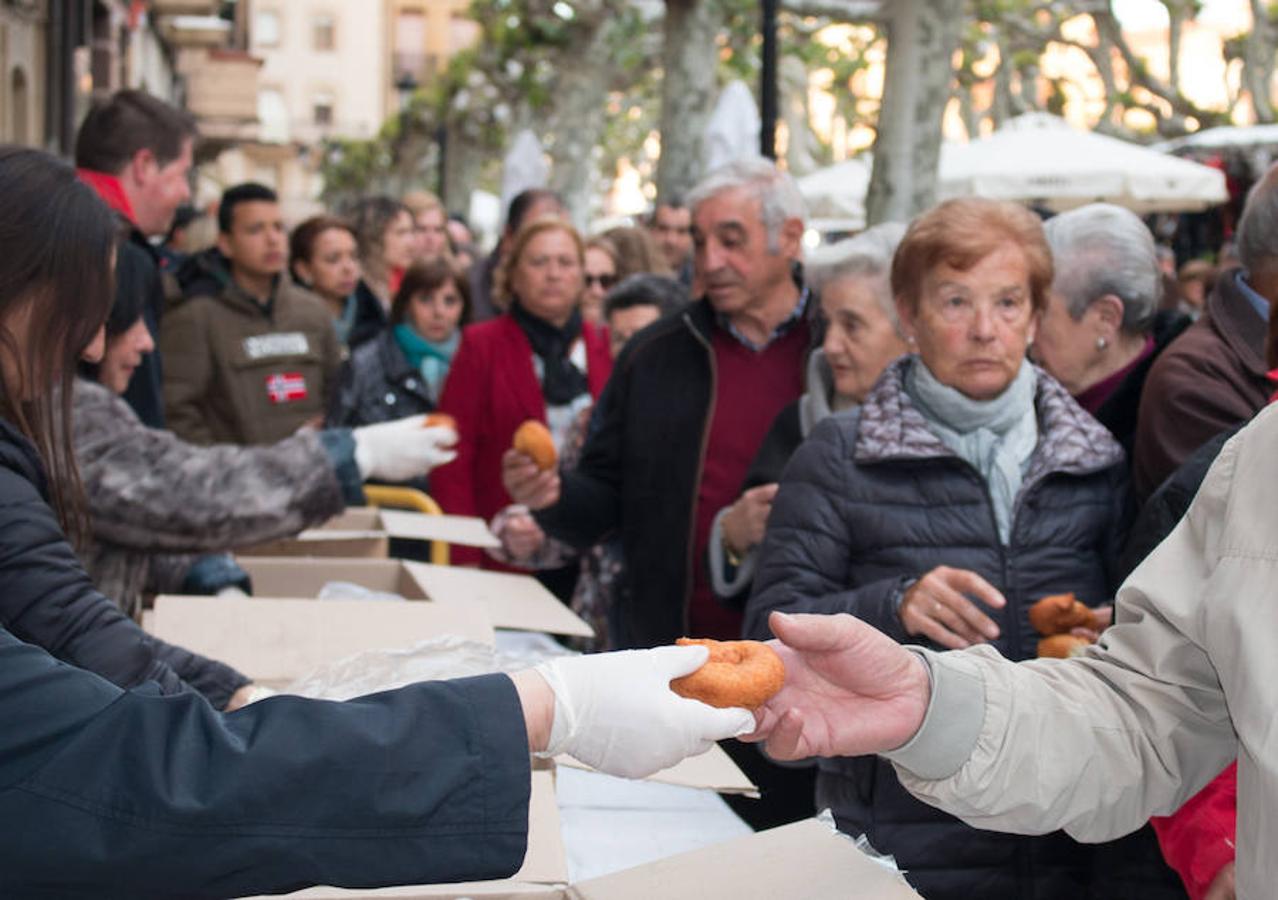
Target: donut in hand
737,673
1062,646
1060,613
436,420
533,440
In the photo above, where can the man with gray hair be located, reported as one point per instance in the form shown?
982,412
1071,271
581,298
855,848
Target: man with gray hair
690,400
1102,329
1215,376
689,403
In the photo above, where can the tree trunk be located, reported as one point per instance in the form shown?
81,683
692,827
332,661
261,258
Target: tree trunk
922,38
581,97
1258,61
689,59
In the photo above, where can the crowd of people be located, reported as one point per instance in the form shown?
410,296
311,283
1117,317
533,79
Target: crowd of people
906,437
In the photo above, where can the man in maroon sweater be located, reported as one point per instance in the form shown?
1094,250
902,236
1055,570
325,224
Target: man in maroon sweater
689,402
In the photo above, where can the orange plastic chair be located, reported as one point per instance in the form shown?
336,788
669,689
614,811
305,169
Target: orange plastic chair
412,499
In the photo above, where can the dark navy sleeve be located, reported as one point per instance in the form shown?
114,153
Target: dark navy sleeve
110,793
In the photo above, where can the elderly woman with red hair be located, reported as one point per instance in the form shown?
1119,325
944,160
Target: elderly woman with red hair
968,485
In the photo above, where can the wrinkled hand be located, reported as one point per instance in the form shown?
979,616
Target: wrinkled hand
849,690
935,607
616,712
1222,886
403,449
1104,618
746,520
527,484
520,535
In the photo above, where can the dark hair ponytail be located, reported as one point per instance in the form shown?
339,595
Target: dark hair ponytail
56,277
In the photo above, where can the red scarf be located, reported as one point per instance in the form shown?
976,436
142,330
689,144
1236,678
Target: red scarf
110,189
394,281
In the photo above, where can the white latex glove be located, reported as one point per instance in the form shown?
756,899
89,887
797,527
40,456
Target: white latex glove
403,449
616,712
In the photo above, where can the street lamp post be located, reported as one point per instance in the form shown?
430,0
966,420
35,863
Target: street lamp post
405,86
768,80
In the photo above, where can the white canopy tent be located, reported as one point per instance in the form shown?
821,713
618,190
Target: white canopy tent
1240,136
835,195
1039,158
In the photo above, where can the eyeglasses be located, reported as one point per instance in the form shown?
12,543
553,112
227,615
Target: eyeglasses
604,281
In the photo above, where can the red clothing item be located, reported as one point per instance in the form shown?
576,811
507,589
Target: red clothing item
751,388
109,188
491,390
1199,838
394,280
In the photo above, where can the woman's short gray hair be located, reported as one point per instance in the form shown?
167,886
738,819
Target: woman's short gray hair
778,195
1102,249
868,255
1258,227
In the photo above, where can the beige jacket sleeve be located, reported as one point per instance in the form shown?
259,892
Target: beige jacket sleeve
1094,745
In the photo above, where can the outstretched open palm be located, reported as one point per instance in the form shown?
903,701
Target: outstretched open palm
849,690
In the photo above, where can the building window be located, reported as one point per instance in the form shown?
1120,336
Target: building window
266,28
322,108
272,113
463,34
410,45
324,30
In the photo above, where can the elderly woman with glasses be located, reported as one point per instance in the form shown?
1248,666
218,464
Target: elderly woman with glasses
968,485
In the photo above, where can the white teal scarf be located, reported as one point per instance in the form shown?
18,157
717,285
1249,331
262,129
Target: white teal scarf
996,437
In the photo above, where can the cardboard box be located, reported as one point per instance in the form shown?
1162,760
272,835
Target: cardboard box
275,642
544,875
365,532
802,861
713,770
513,601
508,601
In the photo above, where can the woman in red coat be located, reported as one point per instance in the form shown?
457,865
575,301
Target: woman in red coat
537,361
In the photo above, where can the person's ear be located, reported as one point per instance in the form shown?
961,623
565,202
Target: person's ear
1104,316
303,271
96,348
142,166
224,244
905,318
792,238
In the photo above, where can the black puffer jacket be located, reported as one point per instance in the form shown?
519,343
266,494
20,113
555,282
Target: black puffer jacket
46,598
874,499
378,384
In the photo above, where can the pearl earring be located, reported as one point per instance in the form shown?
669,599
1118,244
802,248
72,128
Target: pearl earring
1101,343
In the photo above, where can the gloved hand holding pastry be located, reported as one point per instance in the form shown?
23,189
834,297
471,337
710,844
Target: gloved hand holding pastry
404,449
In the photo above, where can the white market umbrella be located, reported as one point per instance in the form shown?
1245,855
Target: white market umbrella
732,131
836,194
1242,136
523,167
1039,158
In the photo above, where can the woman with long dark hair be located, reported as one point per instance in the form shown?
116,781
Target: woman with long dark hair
60,241
116,792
